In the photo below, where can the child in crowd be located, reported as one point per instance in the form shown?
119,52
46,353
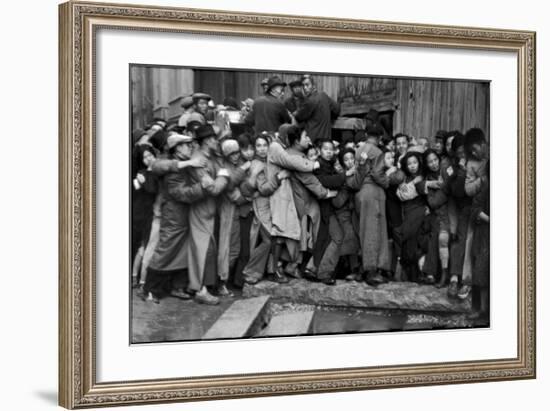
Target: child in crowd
312,153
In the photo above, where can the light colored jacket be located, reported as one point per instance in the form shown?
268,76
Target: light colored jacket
284,217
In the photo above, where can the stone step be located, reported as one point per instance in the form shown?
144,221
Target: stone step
243,318
393,295
285,324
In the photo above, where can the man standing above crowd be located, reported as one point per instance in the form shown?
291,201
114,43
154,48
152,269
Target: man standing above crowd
188,106
317,112
294,102
268,111
200,106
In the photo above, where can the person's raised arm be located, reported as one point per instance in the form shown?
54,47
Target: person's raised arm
279,156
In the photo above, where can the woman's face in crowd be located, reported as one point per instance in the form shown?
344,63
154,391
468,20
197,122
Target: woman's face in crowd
401,144
202,106
388,159
349,160
391,145
433,162
479,151
247,153
312,154
327,151
438,146
449,145
148,158
305,141
234,158
412,165
261,148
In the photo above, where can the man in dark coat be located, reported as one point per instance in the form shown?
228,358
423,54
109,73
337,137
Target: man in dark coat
178,192
268,111
317,112
294,102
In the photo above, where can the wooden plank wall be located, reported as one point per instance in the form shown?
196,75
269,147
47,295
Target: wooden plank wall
425,106
422,106
243,84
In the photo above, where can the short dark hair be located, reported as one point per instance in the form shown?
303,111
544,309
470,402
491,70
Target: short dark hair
293,133
402,135
344,152
308,76
320,142
263,136
458,141
244,140
453,133
373,131
406,157
312,147
425,158
440,134
474,136
359,136
385,140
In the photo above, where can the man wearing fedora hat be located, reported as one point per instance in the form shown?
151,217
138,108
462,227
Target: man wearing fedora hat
188,106
201,104
203,244
178,192
268,111
263,85
317,112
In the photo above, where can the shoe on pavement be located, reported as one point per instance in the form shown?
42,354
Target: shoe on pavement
224,292
452,290
374,279
278,277
328,281
252,280
464,291
179,293
151,297
204,297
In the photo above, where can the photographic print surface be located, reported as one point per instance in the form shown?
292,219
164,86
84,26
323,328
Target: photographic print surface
279,204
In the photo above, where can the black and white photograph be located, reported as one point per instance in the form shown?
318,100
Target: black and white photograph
283,204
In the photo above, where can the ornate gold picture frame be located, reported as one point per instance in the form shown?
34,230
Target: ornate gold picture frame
78,385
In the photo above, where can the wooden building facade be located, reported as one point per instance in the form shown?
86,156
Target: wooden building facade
418,107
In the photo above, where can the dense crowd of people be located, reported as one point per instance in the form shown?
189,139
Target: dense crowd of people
238,193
